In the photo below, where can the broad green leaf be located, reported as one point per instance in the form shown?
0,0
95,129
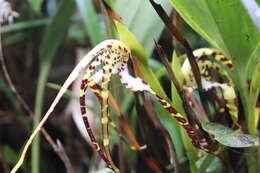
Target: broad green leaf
225,24
141,19
214,129
229,137
130,41
90,20
237,140
36,5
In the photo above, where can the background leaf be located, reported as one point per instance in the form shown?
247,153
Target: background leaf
223,23
146,27
229,137
90,20
36,5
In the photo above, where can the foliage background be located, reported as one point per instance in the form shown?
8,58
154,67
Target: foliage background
42,47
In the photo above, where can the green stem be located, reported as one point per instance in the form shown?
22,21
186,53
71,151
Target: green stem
206,162
38,111
240,82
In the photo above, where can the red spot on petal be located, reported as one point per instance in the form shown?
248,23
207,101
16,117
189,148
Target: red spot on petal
172,110
109,46
163,103
159,97
180,119
85,119
223,59
188,127
214,54
94,87
82,100
82,86
83,110
230,65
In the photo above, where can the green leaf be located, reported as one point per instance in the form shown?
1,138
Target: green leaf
253,119
223,23
24,25
90,20
229,137
36,5
134,16
130,41
9,154
209,164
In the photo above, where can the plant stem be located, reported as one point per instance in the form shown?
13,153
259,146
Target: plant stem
38,111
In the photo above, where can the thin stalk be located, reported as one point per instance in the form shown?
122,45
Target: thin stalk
241,85
37,112
207,161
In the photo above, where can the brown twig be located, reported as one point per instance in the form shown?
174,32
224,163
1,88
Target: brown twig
64,157
55,147
188,109
106,19
194,66
178,22
111,13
